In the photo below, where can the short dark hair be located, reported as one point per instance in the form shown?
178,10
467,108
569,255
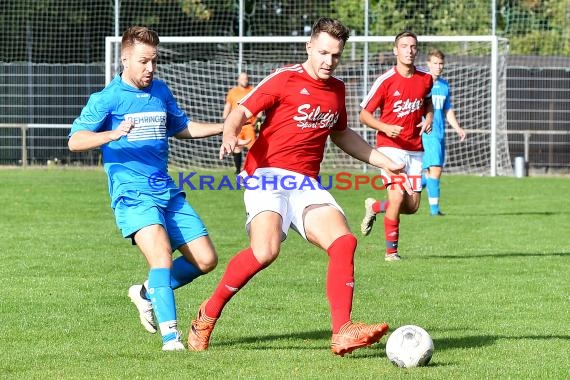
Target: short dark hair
333,27
140,34
405,33
436,53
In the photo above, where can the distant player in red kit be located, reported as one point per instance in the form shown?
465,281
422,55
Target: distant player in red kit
304,105
403,96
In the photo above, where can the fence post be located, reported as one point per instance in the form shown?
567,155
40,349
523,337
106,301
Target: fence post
24,129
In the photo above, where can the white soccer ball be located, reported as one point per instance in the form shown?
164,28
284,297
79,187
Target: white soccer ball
409,346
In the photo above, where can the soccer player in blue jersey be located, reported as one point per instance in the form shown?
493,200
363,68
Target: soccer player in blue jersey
434,142
131,120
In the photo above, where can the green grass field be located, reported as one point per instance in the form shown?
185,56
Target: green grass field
489,281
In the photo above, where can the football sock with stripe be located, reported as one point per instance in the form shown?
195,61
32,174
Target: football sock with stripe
433,194
163,304
391,233
340,280
379,206
241,268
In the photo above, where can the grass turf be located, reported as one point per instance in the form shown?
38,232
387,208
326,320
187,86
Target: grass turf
489,282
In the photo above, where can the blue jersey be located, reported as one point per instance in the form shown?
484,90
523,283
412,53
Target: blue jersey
138,160
441,99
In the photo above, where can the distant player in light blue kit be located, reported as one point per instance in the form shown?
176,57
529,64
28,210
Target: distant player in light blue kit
131,120
434,142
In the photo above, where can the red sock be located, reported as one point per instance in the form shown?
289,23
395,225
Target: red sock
340,279
391,232
379,206
241,268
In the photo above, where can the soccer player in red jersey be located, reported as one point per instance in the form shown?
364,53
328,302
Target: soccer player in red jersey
403,96
304,105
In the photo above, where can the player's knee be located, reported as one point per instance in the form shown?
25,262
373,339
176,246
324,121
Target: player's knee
266,256
207,264
409,208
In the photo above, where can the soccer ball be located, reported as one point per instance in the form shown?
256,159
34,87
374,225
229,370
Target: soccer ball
409,346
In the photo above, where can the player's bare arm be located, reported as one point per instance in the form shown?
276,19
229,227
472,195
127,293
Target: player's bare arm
197,129
82,141
227,109
354,145
370,121
231,128
452,119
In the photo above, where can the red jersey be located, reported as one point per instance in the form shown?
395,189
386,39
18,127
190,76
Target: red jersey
402,101
300,113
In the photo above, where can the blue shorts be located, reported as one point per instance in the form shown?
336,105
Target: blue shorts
434,152
138,210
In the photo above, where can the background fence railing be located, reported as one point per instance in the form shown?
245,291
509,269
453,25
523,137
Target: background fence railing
46,144
52,58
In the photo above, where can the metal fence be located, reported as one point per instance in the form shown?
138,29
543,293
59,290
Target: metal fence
46,144
34,131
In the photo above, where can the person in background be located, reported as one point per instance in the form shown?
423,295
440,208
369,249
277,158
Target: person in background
434,142
402,94
248,130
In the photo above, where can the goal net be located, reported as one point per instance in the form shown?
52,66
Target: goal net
200,71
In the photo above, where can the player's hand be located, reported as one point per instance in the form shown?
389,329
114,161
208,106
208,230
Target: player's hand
425,127
393,131
243,142
399,177
462,134
122,130
228,145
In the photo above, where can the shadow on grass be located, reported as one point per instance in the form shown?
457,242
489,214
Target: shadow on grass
513,213
265,341
275,341
497,255
475,341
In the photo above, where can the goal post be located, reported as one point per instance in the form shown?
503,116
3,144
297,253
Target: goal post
200,70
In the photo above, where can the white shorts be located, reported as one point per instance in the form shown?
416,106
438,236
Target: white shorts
412,161
286,193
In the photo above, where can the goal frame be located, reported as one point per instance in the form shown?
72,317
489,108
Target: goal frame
112,62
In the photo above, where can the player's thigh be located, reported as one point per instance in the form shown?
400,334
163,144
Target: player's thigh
201,253
154,244
133,212
324,234
264,193
265,231
312,206
414,170
267,220
183,224
434,154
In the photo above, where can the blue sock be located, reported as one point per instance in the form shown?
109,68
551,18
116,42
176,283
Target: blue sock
424,180
433,194
183,272
162,298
